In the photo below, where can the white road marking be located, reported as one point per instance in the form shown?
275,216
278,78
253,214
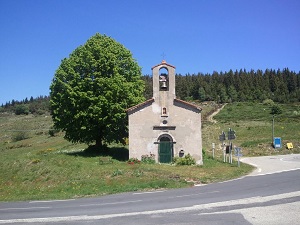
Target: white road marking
25,208
50,201
281,171
147,192
245,201
183,196
112,203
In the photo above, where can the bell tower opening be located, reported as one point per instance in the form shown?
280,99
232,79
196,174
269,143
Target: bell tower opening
163,79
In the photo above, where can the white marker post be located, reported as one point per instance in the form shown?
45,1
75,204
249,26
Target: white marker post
230,147
224,151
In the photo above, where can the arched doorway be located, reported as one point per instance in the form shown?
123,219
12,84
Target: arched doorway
165,149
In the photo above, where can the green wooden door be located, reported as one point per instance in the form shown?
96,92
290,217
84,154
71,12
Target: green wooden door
165,150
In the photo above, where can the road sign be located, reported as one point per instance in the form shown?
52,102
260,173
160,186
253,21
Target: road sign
237,152
289,145
222,137
277,142
231,134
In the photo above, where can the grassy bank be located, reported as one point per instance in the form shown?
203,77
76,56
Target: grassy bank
59,175
35,165
253,125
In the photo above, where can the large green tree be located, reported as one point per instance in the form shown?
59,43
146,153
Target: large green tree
92,89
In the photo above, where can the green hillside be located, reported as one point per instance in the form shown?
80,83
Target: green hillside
253,125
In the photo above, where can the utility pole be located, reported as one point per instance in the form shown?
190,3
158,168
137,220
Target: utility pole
231,136
222,138
273,130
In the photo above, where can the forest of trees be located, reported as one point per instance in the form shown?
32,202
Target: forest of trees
236,86
282,86
39,105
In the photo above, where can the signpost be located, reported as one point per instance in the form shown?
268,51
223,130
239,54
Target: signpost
227,150
230,136
222,138
237,152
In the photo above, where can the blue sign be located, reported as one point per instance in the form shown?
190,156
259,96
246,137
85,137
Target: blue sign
277,142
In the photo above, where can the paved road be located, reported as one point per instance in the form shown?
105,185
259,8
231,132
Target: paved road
267,196
273,164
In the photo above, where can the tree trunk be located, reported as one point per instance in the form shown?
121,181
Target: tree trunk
99,143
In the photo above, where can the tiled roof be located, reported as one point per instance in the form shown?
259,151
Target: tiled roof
187,103
152,100
140,105
163,63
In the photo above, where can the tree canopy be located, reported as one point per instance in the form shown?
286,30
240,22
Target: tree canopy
92,89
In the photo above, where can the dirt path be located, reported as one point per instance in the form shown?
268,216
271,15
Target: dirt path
210,117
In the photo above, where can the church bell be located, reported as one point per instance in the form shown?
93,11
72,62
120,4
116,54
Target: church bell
163,84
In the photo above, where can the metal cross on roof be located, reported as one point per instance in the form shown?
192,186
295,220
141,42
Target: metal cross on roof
163,55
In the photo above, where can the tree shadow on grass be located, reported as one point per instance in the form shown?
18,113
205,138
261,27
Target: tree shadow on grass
118,153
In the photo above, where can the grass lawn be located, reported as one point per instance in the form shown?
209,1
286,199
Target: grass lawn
36,166
31,172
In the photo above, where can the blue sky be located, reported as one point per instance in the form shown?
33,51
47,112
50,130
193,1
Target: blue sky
194,35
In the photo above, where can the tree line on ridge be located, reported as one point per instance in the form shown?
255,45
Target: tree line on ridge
282,86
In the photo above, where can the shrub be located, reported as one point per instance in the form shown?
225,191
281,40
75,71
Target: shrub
52,131
20,135
276,110
186,160
117,172
296,113
133,161
229,109
203,152
22,109
148,159
268,102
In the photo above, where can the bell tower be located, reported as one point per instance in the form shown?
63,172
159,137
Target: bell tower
163,126
163,76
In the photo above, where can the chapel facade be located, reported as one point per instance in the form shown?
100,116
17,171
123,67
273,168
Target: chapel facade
165,126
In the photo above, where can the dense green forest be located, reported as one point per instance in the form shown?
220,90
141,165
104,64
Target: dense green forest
239,86
282,86
39,105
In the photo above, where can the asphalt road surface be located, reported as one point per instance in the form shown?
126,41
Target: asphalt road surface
269,195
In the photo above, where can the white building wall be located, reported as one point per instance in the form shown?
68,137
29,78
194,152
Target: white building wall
143,138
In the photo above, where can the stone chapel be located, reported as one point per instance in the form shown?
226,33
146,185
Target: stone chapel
164,125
